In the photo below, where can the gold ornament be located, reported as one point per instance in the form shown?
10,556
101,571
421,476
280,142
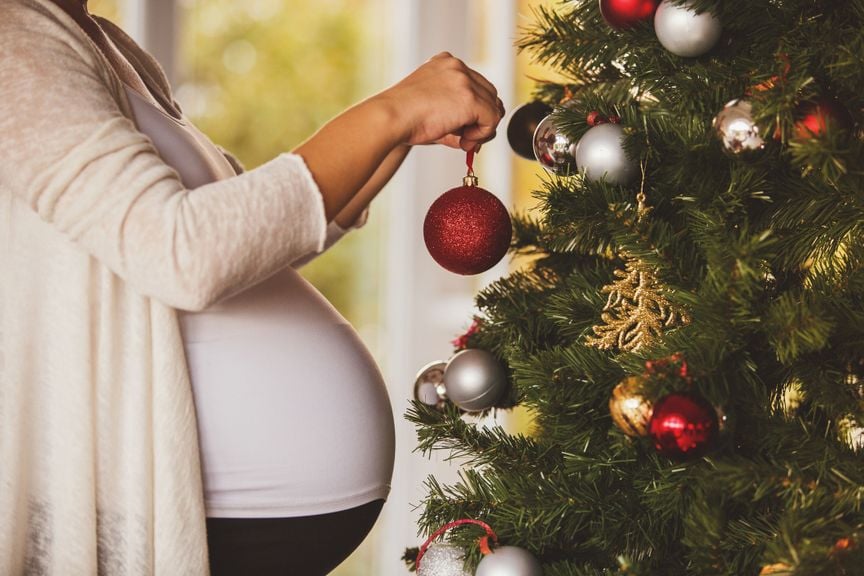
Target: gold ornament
630,410
778,569
636,312
851,433
851,428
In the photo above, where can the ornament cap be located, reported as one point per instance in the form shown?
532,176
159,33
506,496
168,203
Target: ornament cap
470,179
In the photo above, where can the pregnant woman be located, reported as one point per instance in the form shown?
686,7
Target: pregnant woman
174,398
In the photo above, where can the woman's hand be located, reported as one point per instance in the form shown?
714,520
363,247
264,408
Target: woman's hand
444,101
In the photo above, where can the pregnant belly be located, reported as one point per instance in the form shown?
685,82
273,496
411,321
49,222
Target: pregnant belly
293,414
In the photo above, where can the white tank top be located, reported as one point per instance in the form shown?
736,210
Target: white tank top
293,415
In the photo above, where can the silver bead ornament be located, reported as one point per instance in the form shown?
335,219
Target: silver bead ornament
429,385
737,131
553,149
474,380
509,561
600,154
443,560
684,32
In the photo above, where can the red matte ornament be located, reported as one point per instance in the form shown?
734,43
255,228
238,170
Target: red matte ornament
683,426
621,14
815,117
467,229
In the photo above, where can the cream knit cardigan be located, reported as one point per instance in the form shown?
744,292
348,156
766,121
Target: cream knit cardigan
99,245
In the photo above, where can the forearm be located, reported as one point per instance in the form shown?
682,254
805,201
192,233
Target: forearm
443,101
346,155
349,214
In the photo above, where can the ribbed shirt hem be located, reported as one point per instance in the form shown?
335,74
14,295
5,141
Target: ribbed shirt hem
282,509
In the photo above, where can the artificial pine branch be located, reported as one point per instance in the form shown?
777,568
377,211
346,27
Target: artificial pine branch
766,257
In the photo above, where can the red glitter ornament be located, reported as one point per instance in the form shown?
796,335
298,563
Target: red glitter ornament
621,14
815,117
683,425
467,229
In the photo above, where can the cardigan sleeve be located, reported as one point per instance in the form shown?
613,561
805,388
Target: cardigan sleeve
70,154
334,233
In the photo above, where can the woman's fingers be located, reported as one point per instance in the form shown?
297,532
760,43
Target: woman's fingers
474,136
447,102
484,127
489,113
451,141
484,84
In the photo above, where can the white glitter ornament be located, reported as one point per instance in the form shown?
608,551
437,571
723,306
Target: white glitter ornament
684,32
443,560
509,561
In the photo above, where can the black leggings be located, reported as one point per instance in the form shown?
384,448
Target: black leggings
304,546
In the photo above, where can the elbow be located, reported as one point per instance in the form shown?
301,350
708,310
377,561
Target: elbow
192,302
186,299
188,289
195,274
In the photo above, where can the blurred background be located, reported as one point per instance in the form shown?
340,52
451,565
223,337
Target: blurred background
260,76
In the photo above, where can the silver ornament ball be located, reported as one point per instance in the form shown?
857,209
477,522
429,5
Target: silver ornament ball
429,385
737,131
474,380
684,32
554,149
509,561
600,154
443,560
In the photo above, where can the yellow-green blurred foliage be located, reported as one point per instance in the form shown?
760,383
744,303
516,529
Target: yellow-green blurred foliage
260,76
105,8
266,73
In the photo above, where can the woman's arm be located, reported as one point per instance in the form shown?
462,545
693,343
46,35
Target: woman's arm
355,207
350,215
443,101
69,153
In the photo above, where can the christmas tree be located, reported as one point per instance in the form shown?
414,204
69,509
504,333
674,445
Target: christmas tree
689,334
